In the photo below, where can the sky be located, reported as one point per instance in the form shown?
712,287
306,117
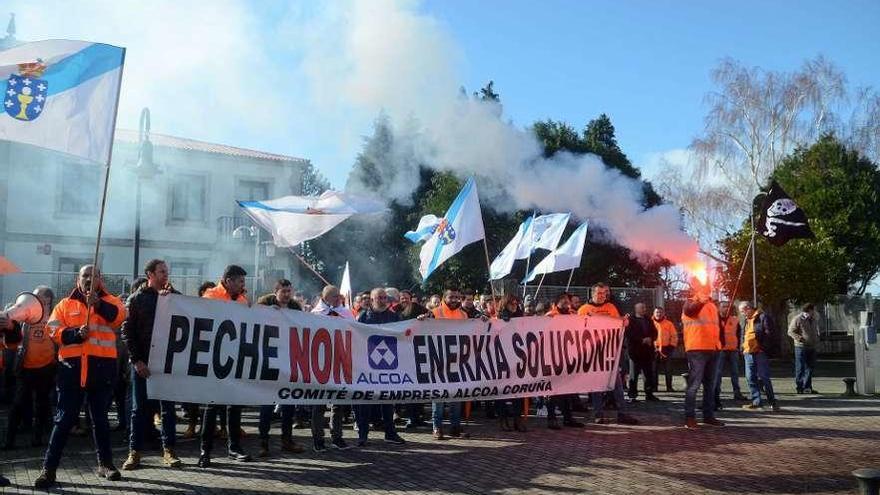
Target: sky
307,79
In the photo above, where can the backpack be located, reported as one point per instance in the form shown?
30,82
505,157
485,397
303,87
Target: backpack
767,334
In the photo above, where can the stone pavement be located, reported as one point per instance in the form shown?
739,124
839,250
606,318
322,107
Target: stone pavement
811,446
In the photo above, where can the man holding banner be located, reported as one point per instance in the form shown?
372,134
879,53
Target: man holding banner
327,306
230,288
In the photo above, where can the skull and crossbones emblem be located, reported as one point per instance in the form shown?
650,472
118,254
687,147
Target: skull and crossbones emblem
779,208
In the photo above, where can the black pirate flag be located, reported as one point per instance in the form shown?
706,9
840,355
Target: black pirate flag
780,218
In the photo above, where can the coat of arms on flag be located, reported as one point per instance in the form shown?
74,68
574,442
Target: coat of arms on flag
25,92
445,232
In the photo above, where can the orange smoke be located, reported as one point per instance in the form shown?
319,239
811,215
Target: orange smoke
697,269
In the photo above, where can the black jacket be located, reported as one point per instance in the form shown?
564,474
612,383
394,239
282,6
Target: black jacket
371,317
137,329
414,310
271,300
640,327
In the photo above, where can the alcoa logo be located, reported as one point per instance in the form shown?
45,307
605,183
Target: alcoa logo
382,350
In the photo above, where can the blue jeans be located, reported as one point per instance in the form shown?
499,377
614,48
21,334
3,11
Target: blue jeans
364,412
598,398
804,362
140,416
266,421
758,368
732,360
454,414
701,371
97,394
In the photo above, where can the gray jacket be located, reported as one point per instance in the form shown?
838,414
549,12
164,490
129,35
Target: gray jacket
804,330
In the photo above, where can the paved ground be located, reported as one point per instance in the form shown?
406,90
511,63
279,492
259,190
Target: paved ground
809,447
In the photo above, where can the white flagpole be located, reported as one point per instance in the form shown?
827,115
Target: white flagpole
570,276
540,284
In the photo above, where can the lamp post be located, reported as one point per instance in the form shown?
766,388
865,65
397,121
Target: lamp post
254,233
144,169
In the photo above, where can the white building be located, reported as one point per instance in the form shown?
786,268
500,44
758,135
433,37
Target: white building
49,206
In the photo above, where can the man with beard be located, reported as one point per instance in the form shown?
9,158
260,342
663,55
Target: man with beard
378,313
231,288
83,325
282,298
449,309
640,336
137,333
561,306
600,304
467,304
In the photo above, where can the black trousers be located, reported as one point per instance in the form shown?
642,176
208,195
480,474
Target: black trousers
233,426
663,364
32,387
564,402
646,369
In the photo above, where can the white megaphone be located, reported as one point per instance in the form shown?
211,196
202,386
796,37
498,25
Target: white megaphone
26,309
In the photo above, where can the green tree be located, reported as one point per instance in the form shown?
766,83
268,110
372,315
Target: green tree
838,190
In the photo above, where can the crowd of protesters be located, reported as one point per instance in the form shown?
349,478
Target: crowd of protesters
83,368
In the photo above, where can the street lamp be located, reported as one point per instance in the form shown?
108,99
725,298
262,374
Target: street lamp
144,169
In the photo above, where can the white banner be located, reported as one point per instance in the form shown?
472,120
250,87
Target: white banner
207,351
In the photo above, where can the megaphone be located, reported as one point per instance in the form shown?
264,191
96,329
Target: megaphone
27,309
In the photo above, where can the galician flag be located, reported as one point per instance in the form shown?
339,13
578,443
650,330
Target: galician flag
565,257
462,225
61,95
543,232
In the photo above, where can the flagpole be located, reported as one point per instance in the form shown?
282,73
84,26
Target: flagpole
525,283
739,277
95,270
570,276
489,267
310,267
540,284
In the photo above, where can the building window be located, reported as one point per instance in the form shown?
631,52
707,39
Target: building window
80,188
188,198
250,190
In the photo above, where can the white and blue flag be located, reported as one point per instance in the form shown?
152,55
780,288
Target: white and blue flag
61,95
462,225
543,232
565,257
424,230
503,263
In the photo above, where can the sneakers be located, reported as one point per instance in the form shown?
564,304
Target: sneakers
169,458
291,447
204,461
45,480
752,407
457,432
318,446
624,419
238,455
775,407
132,462
691,423
438,434
108,472
362,442
264,449
712,422
740,397
339,444
395,439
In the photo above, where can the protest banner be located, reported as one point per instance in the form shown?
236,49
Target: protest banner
208,351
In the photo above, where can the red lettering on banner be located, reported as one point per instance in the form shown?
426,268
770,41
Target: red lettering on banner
341,356
322,339
299,355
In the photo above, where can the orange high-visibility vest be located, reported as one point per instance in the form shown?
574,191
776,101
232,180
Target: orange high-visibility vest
40,349
443,312
606,309
101,342
702,333
667,335
219,293
731,341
